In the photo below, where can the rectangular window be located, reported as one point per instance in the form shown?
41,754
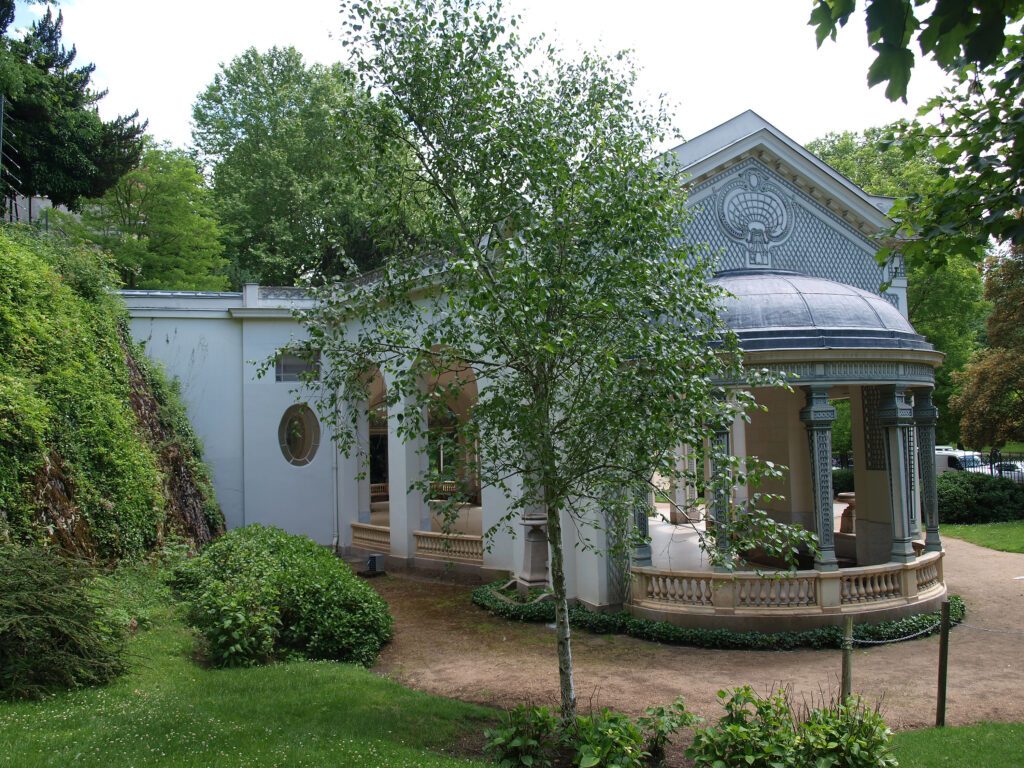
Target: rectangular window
295,368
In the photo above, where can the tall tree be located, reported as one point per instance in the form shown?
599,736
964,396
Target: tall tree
158,222
977,128
63,149
549,275
298,169
945,300
991,398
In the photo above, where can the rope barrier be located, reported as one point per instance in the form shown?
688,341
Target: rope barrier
925,631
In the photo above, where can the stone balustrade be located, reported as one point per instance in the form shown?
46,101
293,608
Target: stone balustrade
375,538
820,596
378,491
454,547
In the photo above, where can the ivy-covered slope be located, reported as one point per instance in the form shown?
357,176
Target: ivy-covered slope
96,453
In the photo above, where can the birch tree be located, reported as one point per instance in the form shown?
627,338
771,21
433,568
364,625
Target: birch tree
554,272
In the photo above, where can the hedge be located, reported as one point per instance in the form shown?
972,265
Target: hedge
489,598
969,498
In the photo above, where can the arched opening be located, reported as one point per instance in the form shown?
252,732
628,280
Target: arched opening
454,492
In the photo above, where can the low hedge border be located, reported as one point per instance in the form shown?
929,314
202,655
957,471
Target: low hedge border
489,598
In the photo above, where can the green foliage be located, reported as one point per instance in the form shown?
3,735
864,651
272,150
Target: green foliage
842,480
991,399
72,465
554,275
845,735
529,736
77,465
490,598
305,181
756,731
610,739
842,433
63,148
56,631
944,298
953,34
659,724
259,593
763,732
975,127
170,712
537,737
158,223
968,498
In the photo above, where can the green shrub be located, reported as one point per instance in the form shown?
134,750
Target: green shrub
491,598
609,739
259,593
845,735
969,498
535,736
842,480
530,736
660,724
56,631
763,732
756,732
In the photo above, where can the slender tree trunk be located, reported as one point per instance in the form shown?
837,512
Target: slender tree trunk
562,633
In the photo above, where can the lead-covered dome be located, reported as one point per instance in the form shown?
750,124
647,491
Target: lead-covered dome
784,310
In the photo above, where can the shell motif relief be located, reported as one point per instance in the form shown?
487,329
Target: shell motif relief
754,212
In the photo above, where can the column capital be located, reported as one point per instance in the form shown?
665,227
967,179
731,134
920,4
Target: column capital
819,411
925,412
895,410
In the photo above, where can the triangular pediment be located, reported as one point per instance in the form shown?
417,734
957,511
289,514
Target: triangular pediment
759,200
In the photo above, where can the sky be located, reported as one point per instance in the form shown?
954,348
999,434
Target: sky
712,58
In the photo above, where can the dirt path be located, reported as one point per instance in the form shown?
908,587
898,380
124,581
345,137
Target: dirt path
445,645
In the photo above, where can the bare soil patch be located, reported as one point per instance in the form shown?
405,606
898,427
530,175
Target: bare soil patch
445,645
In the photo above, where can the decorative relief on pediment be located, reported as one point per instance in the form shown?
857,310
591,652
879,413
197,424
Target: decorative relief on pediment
754,211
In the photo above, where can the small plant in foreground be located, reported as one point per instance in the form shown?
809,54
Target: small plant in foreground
609,739
756,732
537,737
660,724
845,735
530,736
763,732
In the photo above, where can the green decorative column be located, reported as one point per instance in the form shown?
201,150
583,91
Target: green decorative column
818,416
896,415
925,417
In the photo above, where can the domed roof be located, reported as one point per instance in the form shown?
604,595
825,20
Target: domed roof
786,310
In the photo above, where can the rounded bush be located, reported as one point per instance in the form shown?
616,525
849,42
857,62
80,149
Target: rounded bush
56,630
968,498
259,593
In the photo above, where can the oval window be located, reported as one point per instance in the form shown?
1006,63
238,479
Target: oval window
299,434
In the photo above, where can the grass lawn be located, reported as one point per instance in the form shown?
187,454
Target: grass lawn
169,711
1006,537
988,745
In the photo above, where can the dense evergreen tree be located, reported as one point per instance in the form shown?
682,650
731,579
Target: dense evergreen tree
63,149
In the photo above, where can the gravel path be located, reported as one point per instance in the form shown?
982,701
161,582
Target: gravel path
447,646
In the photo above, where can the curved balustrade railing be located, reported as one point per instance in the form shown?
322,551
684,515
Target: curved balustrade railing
798,592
